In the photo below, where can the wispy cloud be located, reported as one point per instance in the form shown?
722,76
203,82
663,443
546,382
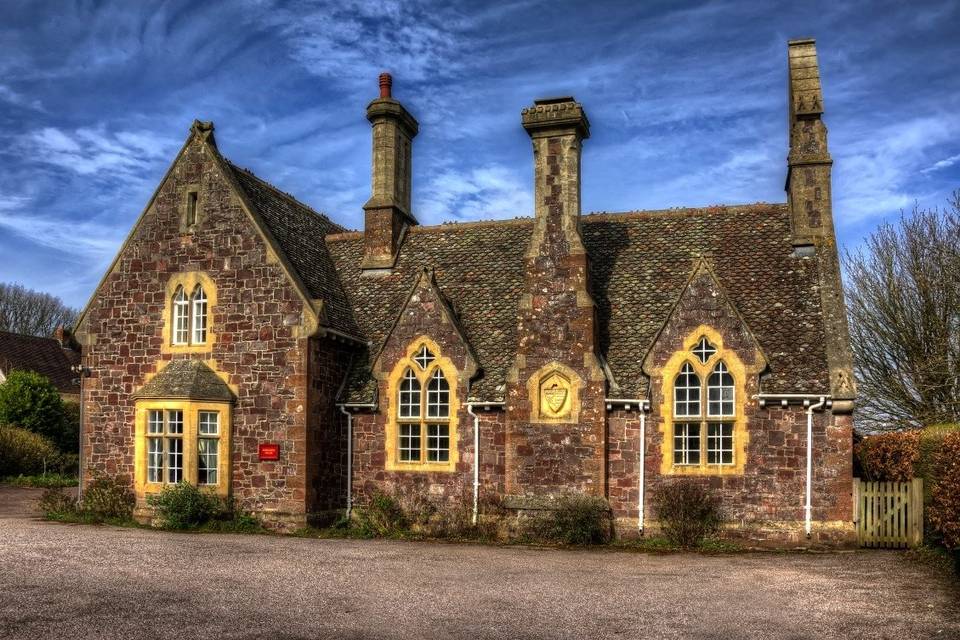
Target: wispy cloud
491,191
874,174
942,164
82,239
92,151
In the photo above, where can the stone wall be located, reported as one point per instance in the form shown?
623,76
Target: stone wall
258,346
326,427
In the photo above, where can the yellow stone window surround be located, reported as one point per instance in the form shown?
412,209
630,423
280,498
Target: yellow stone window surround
189,281
423,375
703,370
190,447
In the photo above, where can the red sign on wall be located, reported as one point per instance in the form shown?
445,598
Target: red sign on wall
269,451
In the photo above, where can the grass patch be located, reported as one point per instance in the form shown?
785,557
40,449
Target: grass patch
48,481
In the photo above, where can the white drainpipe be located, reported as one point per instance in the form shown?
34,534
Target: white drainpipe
808,507
476,462
349,415
643,464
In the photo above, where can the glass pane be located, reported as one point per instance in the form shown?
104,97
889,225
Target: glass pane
181,317
704,350
209,423
686,393
438,442
207,456
720,392
720,443
438,396
686,443
409,443
174,460
155,458
175,421
409,396
155,421
199,316
423,357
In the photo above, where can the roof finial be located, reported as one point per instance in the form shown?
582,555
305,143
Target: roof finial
386,82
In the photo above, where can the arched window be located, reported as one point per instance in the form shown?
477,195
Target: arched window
720,392
704,410
686,393
199,312
181,317
424,416
188,315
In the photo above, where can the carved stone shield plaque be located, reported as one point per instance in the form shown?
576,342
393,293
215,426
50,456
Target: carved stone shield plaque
555,396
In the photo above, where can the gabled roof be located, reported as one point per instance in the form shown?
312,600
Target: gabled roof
45,356
297,228
639,264
186,380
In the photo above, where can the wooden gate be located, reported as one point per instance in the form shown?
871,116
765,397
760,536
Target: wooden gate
888,514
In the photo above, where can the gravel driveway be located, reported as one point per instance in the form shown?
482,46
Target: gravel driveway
76,581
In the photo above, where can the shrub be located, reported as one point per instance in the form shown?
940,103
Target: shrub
184,506
382,517
108,498
56,505
889,456
575,519
688,513
944,511
48,481
30,401
23,452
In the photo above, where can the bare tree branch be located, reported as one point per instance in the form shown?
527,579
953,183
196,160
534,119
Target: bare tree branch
904,306
31,312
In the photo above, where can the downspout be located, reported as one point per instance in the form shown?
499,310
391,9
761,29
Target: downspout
643,465
808,507
349,415
476,462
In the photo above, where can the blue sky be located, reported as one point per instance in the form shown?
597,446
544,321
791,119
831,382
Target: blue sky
687,104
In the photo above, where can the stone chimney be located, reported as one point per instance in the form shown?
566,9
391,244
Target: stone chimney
557,127
556,386
809,163
387,213
809,197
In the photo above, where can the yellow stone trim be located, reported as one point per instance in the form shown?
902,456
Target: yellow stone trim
191,411
189,280
741,435
393,462
537,384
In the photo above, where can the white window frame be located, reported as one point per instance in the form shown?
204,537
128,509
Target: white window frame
180,323
681,407
198,309
165,446
208,434
720,382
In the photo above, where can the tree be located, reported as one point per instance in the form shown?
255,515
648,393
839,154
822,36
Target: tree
31,312
903,291
30,401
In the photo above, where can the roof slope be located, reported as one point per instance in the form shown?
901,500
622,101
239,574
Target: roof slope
45,356
640,263
298,229
187,380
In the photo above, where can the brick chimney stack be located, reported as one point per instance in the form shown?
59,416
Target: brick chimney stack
387,213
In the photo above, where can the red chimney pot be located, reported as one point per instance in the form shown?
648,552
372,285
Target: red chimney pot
386,82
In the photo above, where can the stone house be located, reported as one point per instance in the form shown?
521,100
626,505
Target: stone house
245,342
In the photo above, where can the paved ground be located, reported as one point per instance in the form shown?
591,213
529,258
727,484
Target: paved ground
75,581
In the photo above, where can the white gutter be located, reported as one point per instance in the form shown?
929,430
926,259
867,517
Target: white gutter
808,507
